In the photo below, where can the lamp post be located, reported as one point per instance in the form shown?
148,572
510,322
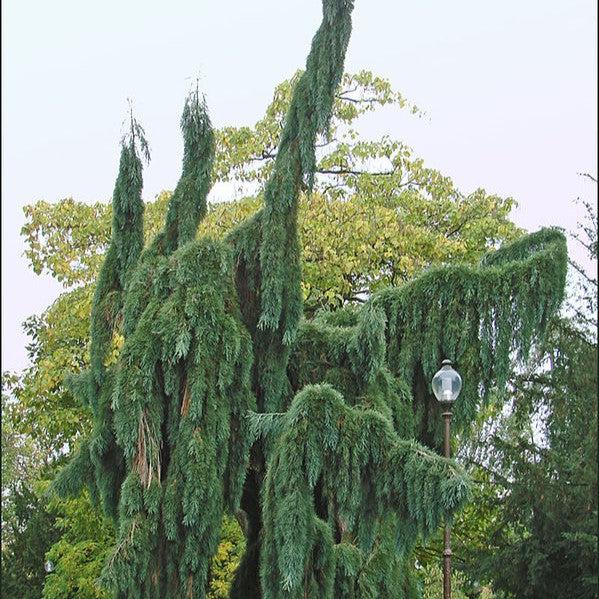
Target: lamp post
447,384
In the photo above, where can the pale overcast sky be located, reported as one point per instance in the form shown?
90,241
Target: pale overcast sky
510,88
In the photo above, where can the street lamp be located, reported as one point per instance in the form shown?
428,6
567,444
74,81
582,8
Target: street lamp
447,384
49,567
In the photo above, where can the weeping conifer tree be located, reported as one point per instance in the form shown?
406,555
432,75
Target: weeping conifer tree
320,435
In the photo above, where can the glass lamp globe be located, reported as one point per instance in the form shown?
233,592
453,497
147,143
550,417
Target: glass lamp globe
49,566
447,383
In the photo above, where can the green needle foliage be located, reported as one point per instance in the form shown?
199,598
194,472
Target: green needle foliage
178,395
363,472
99,462
224,400
308,116
483,318
187,206
125,247
268,246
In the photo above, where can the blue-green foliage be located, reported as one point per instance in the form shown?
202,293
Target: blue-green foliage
187,206
176,399
99,462
483,318
181,390
181,393
268,245
312,432
364,472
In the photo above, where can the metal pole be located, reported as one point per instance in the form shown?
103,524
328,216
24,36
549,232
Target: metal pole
447,534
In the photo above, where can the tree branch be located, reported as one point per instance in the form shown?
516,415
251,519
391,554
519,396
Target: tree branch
580,271
588,176
359,100
347,171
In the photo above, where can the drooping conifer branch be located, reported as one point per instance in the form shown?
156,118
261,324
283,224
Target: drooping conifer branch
269,272
483,318
308,116
187,206
99,463
180,397
363,471
126,244
181,392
